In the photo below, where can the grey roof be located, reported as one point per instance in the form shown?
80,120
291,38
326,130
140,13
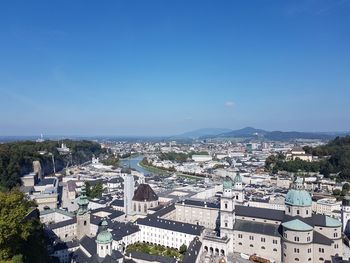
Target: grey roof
263,213
165,210
113,214
314,220
63,223
47,181
118,202
151,258
108,259
120,230
144,193
200,203
257,227
89,244
171,225
193,251
79,256
321,239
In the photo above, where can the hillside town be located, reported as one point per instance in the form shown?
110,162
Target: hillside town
205,202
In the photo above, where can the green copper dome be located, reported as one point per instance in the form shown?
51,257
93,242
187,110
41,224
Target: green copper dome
237,179
297,197
227,183
104,237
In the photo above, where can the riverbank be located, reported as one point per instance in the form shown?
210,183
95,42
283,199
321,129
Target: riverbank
160,170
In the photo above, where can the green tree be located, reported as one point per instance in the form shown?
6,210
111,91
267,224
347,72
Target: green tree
183,249
21,233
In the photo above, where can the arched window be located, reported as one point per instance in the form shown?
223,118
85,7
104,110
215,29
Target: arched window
240,243
309,259
275,249
251,245
85,223
296,259
262,247
321,259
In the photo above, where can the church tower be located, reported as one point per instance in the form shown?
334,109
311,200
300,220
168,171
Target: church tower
83,215
345,214
238,192
227,208
104,241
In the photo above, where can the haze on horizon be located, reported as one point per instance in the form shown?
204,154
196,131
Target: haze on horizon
167,67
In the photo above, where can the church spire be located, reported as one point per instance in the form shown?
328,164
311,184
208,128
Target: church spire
83,201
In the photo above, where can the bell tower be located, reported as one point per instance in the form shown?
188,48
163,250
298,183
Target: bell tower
227,208
83,215
238,189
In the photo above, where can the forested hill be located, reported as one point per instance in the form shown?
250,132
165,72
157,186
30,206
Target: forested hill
334,158
16,158
337,154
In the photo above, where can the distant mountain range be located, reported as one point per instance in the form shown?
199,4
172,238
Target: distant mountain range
250,132
202,133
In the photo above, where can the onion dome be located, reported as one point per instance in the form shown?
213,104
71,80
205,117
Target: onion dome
104,237
237,179
227,183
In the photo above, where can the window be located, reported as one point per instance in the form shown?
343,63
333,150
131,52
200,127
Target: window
225,205
251,238
262,239
240,243
335,235
321,259
274,241
296,250
85,223
225,224
321,250
298,212
307,212
296,239
296,259
289,209
309,259
262,247
336,246
309,250
240,236
285,235
275,249
251,245
308,239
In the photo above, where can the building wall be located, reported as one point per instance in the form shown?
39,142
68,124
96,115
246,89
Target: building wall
204,216
164,237
54,217
265,246
67,232
141,208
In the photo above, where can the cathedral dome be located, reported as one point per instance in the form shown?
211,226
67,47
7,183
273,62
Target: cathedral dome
104,237
297,197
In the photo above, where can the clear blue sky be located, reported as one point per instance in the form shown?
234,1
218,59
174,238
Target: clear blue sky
165,67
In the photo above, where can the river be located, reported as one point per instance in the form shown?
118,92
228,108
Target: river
134,163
